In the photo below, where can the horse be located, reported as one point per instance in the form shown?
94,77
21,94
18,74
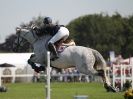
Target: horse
86,60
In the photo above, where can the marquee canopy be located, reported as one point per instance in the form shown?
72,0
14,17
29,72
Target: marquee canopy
14,58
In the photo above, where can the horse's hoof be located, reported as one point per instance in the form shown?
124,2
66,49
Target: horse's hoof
113,89
3,89
110,88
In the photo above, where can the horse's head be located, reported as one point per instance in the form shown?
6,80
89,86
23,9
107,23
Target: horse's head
23,35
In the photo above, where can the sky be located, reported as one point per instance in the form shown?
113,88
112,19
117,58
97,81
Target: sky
15,12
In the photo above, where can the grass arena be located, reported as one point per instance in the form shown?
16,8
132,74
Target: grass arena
59,90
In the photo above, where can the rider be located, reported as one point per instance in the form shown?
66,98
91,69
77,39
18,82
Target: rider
57,32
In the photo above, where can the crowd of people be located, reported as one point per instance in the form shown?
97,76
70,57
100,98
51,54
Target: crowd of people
65,75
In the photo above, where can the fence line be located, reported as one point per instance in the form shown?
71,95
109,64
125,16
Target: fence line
121,73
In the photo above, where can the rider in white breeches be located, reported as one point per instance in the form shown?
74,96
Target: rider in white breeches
57,32
62,33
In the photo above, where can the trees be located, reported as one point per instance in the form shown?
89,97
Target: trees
8,44
104,33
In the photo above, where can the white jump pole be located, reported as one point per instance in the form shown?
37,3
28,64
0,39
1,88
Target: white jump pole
48,76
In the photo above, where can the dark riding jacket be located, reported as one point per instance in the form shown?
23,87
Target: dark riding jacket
47,29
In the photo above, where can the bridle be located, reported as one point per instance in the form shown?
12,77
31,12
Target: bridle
20,41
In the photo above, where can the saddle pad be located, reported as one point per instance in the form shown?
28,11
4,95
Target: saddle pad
61,48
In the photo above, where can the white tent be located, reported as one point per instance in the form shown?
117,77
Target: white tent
19,60
16,59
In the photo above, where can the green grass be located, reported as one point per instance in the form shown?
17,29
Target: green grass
59,91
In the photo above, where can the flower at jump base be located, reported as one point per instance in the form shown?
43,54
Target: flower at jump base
128,94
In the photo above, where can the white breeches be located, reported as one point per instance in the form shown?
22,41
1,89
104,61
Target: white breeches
62,33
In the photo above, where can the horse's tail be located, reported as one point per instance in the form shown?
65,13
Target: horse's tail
100,62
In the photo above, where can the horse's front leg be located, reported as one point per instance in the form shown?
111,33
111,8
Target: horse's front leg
32,62
107,84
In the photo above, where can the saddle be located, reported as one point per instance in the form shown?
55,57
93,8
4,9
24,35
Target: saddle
61,45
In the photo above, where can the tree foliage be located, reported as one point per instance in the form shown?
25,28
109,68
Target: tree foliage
7,46
104,33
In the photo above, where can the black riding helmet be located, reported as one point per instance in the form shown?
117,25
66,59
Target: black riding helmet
47,20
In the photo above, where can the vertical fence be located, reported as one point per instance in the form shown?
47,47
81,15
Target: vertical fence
122,73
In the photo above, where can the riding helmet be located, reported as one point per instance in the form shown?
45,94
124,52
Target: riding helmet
47,20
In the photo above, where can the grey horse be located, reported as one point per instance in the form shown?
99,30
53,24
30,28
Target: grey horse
86,60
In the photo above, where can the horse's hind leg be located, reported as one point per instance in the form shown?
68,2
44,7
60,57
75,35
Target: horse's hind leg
100,65
107,84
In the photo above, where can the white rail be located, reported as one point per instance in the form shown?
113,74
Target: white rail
120,73
48,89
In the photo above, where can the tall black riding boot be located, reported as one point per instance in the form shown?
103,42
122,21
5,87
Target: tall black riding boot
53,50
